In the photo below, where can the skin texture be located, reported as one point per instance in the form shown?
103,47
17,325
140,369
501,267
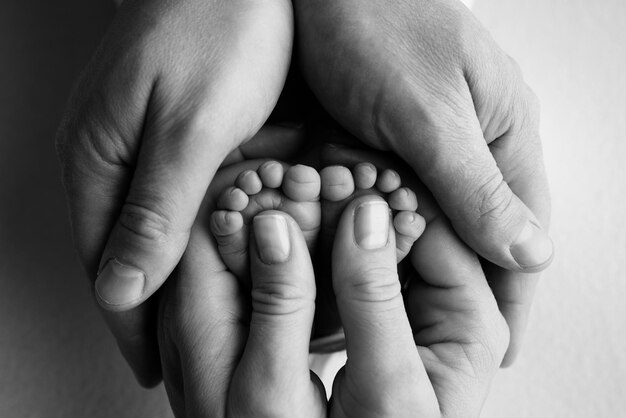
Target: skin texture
229,351
173,88
444,300
176,86
424,79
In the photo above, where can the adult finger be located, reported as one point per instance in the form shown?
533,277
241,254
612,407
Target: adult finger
453,313
91,143
417,80
141,140
131,218
455,162
513,291
384,375
519,155
189,130
455,320
273,377
203,326
150,143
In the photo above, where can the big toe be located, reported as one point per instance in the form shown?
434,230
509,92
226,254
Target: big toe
337,183
302,183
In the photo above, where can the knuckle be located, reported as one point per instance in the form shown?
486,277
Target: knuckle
494,200
93,128
100,144
371,285
145,223
275,297
89,144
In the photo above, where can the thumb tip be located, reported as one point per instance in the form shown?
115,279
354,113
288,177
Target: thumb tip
533,249
119,287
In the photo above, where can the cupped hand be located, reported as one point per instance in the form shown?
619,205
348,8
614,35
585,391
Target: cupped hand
424,79
432,353
173,88
229,351
234,351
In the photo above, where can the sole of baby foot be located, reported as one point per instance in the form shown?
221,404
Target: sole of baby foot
294,190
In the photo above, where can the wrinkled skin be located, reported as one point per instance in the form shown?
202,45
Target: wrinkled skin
173,88
229,352
425,80
176,86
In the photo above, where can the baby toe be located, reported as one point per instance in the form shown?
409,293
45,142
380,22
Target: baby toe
388,181
271,174
403,199
409,224
337,183
249,181
231,236
233,198
302,183
364,175
224,223
409,227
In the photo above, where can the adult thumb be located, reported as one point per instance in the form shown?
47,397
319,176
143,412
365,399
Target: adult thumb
274,365
384,373
450,155
152,229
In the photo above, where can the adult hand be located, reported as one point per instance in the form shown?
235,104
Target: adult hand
227,351
173,88
425,80
220,359
438,361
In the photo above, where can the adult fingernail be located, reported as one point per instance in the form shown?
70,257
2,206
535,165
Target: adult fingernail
118,284
272,238
533,247
371,225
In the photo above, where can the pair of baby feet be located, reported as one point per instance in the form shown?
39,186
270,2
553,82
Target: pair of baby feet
315,200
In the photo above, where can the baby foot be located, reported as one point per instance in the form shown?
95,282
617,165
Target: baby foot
340,186
294,190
